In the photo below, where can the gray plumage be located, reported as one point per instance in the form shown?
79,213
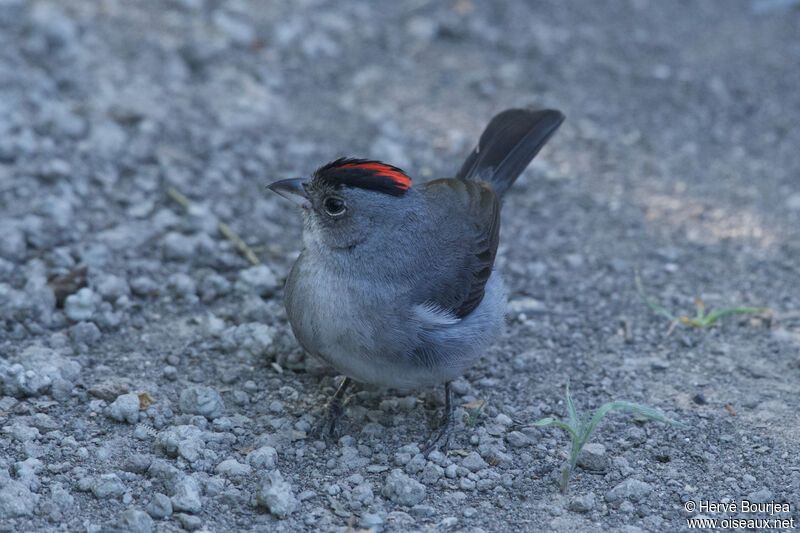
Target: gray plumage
384,311
400,290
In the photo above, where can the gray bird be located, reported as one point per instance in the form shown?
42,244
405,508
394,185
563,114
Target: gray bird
395,285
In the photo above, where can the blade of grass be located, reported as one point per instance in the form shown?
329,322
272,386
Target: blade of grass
573,413
701,319
642,410
474,415
712,317
656,308
701,308
552,421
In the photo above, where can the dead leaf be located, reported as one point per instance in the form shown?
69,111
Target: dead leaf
473,405
145,400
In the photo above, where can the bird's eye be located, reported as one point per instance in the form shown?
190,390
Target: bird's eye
334,206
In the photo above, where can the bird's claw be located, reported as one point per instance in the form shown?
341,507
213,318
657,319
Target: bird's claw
442,437
328,428
440,440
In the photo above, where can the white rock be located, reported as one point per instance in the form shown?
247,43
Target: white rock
473,462
630,489
187,496
203,401
107,486
402,489
232,467
276,495
125,408
265,457
80,306
15,498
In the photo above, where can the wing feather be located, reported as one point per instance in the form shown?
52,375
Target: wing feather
471,211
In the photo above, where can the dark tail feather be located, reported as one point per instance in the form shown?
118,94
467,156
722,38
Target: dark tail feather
508,144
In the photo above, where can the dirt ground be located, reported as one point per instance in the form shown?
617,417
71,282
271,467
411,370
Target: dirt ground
678,161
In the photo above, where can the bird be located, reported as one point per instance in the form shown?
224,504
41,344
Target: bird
395,285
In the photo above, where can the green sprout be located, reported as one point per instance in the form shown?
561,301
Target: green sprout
580,428
473,417
701,319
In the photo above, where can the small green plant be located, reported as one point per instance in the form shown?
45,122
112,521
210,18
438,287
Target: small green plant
475,412
580,428
701,319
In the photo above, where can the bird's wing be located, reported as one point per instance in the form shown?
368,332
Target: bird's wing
466,228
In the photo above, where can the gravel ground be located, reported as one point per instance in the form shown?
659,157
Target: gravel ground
148,379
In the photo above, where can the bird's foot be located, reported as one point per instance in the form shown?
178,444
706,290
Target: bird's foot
328,428
440,440
442,437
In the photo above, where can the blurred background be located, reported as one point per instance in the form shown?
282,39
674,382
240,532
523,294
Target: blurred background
686,110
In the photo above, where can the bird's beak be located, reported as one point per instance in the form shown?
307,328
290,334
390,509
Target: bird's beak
293,189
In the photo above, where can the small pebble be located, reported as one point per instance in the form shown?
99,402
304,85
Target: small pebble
517,439
700,399
135,521
80,306
107,486
582,503
170,372
276,494
233,468
160,506
474,462
631,489
264,458
125,408
593,457
85,333
402,489
201,400
189,522
187,496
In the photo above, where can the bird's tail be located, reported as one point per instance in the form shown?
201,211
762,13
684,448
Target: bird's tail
508,144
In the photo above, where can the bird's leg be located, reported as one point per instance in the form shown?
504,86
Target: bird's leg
326,428
441,437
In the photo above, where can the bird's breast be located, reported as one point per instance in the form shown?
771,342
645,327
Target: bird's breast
338,319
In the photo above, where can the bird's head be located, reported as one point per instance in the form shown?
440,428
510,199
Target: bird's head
350,202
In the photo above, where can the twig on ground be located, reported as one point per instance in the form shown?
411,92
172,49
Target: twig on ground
223,228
